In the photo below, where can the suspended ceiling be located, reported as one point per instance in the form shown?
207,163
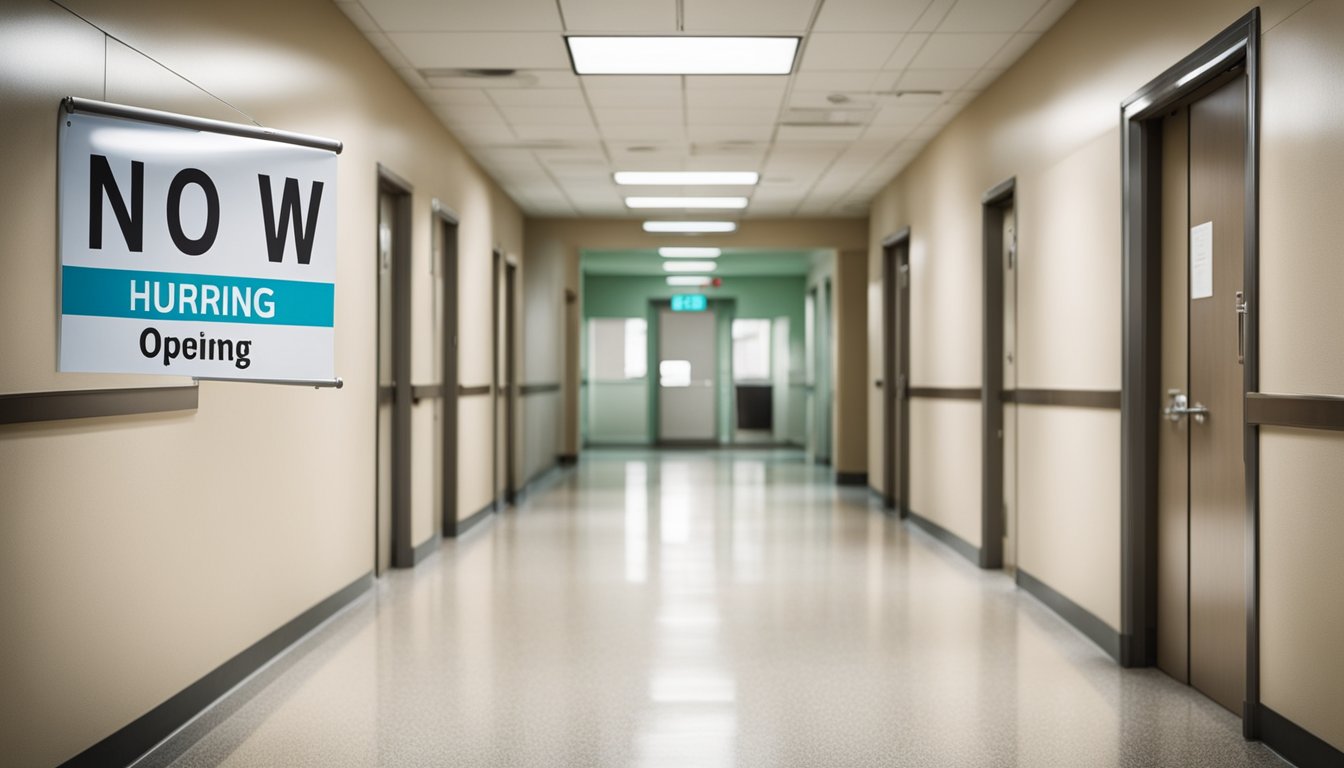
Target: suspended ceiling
875,80
735,262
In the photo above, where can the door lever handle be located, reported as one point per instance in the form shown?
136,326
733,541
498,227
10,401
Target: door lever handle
1180,406
1242,311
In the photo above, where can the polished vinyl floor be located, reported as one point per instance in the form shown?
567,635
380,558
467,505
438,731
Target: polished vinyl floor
698,609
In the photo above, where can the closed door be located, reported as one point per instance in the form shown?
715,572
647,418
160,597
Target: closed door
896,374
386,388
1009,265
686,355
1202,484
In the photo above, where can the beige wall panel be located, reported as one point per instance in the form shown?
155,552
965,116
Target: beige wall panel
190,536
426,434
475,430
1301,162
1069,503
1068,281
1301,615
945,464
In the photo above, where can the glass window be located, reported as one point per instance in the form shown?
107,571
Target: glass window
617,348
751,350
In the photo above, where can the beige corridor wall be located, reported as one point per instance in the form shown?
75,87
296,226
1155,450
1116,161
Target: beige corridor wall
139,553
1052,123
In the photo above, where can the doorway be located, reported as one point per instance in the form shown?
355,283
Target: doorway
687,352
1189,459
445,233
753,395
999,437
505,284
896,371
392,518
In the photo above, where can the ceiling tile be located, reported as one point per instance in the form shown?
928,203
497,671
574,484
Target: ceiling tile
933,16
767,99
455,96
480,50
538,97
959,50
819,133
833,81
532,78
1013,50
700,133
869,15
934,79
983,78
989,15
888,131
469,114
907,50
544,131
620,116
737,82
648,132
1048,15
389,51
848,51
545,115
903,115
632,16
464,15
594,83
654,99
729,116
720,17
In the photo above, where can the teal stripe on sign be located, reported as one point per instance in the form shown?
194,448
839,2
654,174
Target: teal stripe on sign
209,298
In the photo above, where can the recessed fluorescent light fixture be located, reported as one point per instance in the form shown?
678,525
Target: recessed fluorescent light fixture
690,178
690,227
689,281
689,253
686,202
689,266
632,55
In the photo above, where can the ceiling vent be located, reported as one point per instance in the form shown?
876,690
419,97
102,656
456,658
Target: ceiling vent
471,77
826,118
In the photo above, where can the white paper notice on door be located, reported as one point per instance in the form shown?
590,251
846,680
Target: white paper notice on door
1201,260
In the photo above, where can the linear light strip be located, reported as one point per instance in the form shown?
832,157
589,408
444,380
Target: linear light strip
686,202
690,227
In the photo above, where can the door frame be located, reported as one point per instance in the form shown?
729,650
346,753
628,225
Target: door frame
445,224
403,549
1141,401
653,329
511,385
993,204
895,374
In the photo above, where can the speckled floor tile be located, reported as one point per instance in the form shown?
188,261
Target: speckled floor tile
703,609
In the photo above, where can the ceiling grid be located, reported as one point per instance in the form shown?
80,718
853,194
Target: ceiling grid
873,82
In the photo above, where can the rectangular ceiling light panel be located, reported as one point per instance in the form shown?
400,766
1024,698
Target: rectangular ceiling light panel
686,202
689,266
690,227
627,55
689,281
691,252
687,178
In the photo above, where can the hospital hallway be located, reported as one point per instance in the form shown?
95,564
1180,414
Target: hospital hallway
703,608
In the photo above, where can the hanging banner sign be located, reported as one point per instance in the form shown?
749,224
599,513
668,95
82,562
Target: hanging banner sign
195,248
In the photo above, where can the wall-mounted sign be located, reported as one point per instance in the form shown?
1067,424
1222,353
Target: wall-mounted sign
195,252
689,302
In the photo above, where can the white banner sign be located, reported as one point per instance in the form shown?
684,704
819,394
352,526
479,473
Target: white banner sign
192,253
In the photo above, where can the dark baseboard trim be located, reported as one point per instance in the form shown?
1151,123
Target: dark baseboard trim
1073,398
960,545
1082,619
483,389
144,733
1296,744
945,393
1302,411
425,549
567,459
537,389
90,403
471,520
851,478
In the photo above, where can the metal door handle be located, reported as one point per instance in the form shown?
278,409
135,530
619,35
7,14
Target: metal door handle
1180,406
1242,312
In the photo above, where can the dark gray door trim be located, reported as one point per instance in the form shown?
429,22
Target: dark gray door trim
992,205
1140,131
895,373
403,552
446,227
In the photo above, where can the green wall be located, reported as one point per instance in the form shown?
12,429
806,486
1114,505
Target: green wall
746,297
